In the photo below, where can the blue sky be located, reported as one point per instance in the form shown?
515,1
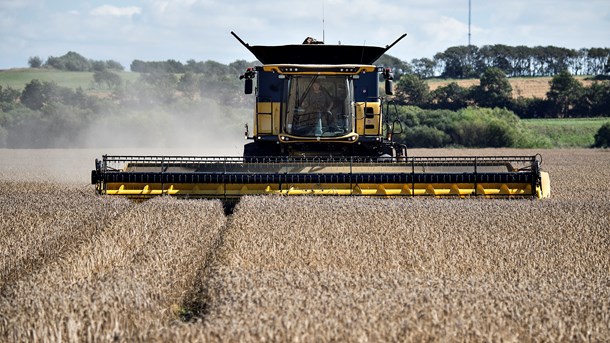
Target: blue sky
200,29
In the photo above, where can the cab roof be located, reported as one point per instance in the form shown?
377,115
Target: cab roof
317,53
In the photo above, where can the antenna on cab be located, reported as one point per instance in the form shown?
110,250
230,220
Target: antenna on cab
323,24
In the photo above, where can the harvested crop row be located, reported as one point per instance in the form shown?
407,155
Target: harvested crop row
362,269
130,279
40,224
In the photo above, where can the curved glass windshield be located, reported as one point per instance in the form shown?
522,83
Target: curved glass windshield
318,106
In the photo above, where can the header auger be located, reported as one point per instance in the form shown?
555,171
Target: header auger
319,129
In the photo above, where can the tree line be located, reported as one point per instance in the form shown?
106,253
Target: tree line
73,61
463,62
458,62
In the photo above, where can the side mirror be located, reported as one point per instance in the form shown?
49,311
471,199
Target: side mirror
248,86
248,75
389,87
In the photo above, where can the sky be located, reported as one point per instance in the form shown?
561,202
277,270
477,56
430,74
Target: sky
158,30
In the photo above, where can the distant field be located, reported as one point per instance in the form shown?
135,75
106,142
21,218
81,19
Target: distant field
18,78
567,133
527,87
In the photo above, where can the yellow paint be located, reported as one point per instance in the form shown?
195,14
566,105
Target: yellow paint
373,119
136,190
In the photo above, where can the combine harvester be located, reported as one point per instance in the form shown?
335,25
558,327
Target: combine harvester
319,129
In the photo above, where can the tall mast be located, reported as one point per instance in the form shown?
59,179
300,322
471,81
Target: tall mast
469,21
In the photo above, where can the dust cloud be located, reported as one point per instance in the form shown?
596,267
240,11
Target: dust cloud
207,130
68,154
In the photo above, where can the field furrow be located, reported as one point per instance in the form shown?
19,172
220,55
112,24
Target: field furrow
130,279
31,216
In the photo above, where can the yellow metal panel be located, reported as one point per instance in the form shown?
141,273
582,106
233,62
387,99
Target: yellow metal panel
372,120
360,118
372,125
276,118
267,118
264,118
219,190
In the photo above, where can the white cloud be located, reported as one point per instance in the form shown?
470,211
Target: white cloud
164,29
446,30
109,10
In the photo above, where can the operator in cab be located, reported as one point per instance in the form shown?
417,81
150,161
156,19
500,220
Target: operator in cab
317,100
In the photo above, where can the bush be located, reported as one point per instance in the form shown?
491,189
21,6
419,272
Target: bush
106,77
470,127
8,98
484,127
602,137
425,137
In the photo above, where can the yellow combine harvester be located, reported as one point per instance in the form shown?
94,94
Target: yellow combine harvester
319,129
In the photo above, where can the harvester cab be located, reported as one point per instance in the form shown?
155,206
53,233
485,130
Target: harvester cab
319,129
319,100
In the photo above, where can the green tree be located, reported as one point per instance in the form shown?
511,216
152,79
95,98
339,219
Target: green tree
138,66
494,89
423,67
189,85
71,61
460,62
451,97
114,65
239,66
411,90
32,95
595,100
35,62
564,93
110,79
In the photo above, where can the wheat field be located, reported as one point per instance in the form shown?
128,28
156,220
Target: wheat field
526,87
77,267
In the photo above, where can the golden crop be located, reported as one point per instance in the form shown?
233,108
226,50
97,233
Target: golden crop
79,267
